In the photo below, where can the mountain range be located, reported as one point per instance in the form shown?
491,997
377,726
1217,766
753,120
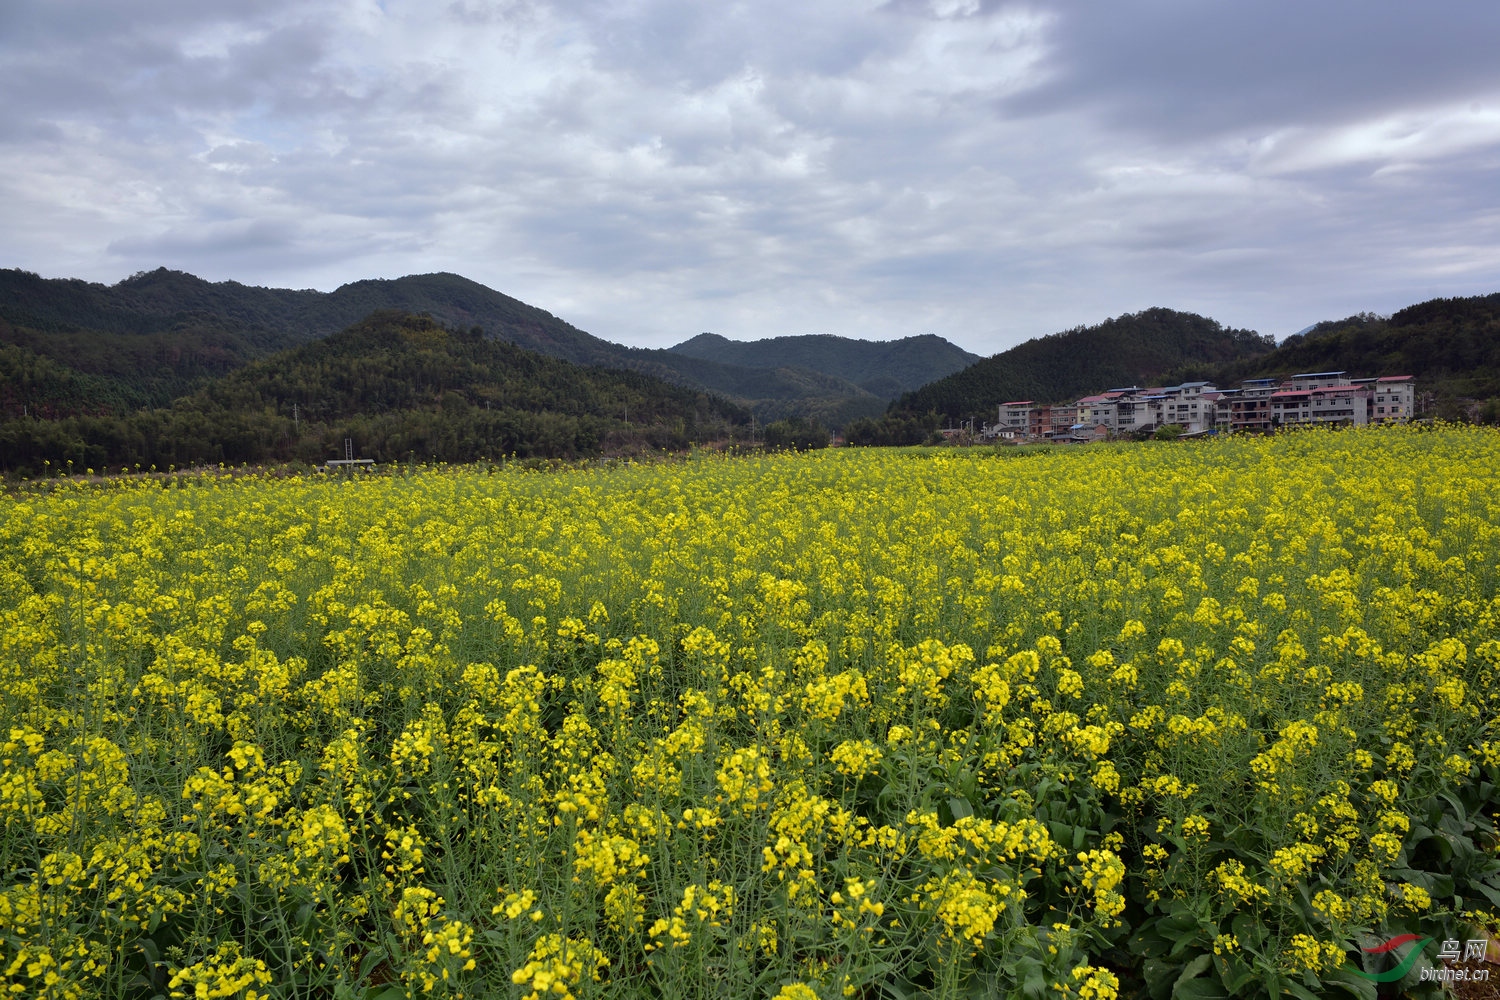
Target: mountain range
160,334
1450,345
397,387
1134,349
165,368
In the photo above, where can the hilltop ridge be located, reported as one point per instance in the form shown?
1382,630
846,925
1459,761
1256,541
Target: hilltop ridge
1135,348
400,387
160,334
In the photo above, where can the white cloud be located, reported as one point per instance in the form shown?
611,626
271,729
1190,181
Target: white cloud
1392,141
653,168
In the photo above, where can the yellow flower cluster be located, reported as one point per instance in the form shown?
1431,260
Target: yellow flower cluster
740,724
556,965
225,973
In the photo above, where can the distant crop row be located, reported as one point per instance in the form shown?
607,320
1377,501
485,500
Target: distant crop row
1200,722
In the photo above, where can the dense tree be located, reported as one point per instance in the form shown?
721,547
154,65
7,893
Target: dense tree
161,334
402,388
1134,349
892,429
1451,346
795,434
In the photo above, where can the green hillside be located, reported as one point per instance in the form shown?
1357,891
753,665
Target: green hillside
881,368
161,334
1452,346
401,387
1134,349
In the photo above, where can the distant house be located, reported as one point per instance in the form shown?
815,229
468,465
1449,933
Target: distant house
1016,418
1258,405
1339,403
1394,399
1251,409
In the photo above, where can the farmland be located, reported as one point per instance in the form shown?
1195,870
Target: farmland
854,723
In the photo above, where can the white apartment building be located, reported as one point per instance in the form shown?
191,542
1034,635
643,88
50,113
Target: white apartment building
1330,404
1015,417
1395,399
1316,380
1200,407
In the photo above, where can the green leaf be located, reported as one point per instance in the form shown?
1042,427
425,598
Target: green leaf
1203,988
1033,980
1493,895
1149,941
1250,931
1362,988
1160,976
1298,990
367,964
1234,972
1187,980
960,808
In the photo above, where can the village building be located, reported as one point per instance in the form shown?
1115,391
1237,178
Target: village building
1251,409
1259,405
1395,399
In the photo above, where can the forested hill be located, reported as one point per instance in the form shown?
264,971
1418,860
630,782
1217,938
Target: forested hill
74,347
402,387
1452,346
882,368
159,334
1134,349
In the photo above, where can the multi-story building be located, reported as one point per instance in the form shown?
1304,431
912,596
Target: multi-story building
1251,409
1014,419
1223,409
1060,421
1290,407
1098,411
1339,403
1020,419
1149,408
1394,399
1258,405
1186,406
1316,380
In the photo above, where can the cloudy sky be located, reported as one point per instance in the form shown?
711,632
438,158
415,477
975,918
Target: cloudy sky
649,169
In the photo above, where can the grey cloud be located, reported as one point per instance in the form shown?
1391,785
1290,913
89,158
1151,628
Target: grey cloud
200,237
694,45
651,168
1183,69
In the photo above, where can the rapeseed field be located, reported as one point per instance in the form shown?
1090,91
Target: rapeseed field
877,724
